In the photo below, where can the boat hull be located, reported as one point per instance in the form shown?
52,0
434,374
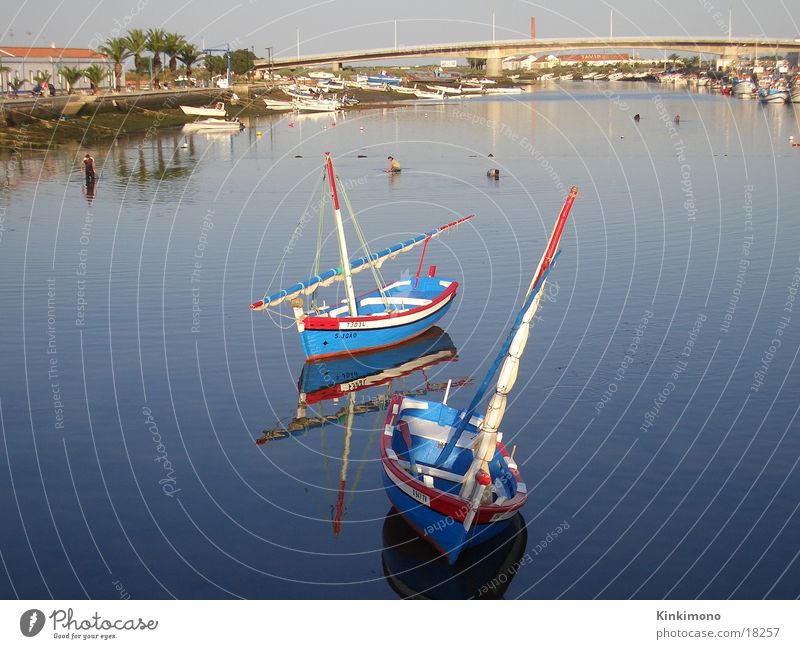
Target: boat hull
438,515
777,97
203,112
446,534
377,332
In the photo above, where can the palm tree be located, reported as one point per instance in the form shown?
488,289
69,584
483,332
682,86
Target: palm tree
16,83
41,77
95,74
155,43
116,50
71,76
136,42
189,55
173,43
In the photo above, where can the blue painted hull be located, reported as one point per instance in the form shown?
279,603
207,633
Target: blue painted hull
319,343
446,535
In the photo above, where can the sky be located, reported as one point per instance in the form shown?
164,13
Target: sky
335,25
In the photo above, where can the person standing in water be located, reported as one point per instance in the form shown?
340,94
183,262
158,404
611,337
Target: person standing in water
88,168
394,166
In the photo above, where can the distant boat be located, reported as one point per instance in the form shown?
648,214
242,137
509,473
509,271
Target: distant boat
743,87
321,75
773,96
794,97
446,470
388,315
424,94
404,90
315,105
218,110
278,105
213,124
386,78
447,90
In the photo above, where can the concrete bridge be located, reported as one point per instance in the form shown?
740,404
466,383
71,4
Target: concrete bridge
495,51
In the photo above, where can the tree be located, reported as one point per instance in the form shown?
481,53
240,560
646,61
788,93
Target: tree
189,55
41,77
95,74
216,64
71,76
173,44
136,41
116,50
241,61
16,83
155,44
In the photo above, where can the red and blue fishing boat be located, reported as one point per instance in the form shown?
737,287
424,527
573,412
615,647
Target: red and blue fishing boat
446,470
388,315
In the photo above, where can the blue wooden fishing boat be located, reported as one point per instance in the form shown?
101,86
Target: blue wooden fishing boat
446,470
385,316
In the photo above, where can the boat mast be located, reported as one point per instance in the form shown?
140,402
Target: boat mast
343,256
487,438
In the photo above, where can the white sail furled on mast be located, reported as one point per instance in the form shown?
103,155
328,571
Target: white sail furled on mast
376,260
472,488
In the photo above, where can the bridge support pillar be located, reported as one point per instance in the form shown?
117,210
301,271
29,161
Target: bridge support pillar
494,67
727,58
336,67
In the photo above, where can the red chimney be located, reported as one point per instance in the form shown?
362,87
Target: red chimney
533,28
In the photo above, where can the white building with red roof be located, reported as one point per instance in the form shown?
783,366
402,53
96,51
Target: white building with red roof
24,62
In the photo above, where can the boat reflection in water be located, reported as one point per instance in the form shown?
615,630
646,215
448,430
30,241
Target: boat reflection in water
344,377
415,570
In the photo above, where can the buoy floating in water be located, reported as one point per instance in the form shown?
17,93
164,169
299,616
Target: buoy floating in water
258,133
291,124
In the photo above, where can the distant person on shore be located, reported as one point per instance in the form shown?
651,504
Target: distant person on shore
636,118
394,166
88,168
677,119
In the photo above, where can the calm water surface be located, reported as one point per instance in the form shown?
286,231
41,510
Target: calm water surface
655,413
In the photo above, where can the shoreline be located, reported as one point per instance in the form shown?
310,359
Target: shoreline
37,124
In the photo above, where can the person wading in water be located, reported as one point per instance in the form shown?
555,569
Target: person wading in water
88,168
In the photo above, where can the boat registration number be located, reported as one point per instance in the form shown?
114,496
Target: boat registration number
354,325
425,499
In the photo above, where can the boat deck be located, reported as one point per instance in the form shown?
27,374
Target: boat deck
400,296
